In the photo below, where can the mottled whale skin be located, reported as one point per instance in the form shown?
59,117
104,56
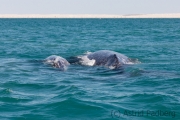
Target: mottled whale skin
107,58
57,62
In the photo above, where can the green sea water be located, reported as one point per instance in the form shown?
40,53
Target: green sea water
31,90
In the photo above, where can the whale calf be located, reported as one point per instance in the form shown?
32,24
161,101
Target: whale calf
57,62
107,58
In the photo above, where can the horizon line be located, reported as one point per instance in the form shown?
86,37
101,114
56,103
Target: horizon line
168,15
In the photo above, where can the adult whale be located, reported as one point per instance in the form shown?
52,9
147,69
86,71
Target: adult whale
107,58
57,62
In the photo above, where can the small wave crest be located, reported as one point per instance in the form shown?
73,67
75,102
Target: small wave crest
87,53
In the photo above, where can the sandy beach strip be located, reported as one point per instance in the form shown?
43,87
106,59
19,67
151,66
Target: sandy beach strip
174,15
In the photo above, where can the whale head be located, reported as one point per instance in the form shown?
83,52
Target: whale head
57,62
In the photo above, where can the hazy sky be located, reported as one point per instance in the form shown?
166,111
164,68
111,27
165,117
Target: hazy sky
89,6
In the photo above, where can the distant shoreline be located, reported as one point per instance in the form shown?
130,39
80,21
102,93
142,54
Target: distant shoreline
174,15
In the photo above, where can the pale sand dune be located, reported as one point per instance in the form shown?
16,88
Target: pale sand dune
175,15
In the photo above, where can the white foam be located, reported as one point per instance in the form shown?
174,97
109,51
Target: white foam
111,67
86,61
129,63
87,53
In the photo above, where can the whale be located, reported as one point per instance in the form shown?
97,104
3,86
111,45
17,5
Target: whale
106,58
57,62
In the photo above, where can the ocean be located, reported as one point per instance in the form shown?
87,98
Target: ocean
32,90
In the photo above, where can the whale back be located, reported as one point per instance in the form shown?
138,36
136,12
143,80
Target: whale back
108,58
113,61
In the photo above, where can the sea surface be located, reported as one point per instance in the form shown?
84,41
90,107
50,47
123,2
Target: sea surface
32,90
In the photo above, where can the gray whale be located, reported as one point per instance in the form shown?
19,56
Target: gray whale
107,58
57,62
